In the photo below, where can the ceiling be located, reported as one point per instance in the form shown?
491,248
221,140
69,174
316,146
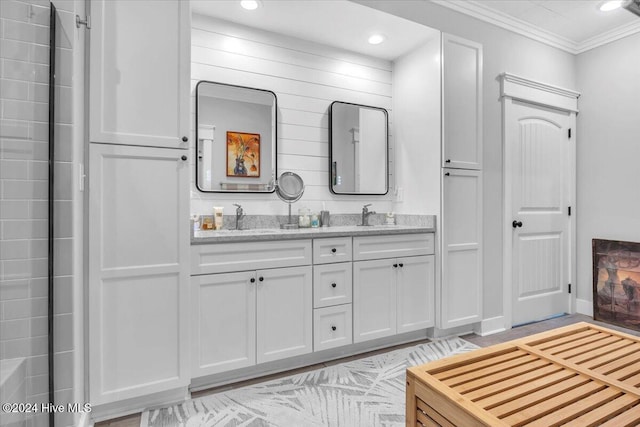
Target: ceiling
337,23
572,25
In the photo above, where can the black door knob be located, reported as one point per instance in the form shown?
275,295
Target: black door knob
185,139
401,265
448,161
447,174
516,224
253,280
184,157
333,328
261,278
333,285
395,265
334,250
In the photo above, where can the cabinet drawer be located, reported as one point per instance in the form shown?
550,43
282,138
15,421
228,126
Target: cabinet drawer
332,327
337,249
228,257
391,246
332,284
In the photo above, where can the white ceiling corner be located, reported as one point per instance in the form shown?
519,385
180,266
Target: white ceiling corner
519,16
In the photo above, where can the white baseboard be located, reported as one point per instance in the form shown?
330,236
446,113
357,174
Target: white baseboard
490,326
584,307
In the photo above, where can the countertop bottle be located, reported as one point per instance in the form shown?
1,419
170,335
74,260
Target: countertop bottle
315,220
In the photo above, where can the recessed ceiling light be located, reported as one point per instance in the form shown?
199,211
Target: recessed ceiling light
376,39
250,4
610,5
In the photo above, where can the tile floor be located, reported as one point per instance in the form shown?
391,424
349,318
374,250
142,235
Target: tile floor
519,332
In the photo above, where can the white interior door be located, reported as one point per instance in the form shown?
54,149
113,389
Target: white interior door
541,169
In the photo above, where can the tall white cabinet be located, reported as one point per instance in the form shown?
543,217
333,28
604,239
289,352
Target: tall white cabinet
461,205
138,223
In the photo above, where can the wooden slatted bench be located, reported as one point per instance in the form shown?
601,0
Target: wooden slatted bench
580,375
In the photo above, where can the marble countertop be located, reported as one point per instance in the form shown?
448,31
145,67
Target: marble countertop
267,234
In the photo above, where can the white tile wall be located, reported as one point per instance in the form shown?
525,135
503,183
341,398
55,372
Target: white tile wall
307,78
24,109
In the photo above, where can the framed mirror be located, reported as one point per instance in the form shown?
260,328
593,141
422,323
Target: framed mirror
236,138
358,149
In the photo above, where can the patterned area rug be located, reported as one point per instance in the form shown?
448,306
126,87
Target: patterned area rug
366,392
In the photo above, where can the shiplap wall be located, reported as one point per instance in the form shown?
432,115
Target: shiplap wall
307,78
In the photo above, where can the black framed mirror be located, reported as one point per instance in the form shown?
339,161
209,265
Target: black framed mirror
358,149
236,138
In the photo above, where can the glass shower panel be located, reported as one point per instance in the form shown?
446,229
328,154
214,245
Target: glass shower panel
24,199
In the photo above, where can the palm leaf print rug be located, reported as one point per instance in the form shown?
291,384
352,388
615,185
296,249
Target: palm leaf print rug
365,392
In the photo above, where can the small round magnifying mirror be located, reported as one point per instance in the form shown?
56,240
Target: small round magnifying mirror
289,187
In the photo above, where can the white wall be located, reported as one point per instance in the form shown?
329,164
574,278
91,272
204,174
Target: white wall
608,150
306,78
416,106
503,51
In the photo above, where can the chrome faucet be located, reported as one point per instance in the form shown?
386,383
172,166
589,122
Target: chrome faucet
365,214
239,215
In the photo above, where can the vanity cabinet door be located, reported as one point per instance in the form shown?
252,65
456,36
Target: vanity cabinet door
284,313
139,67
223,307
461,103
415,293
138,272
374,299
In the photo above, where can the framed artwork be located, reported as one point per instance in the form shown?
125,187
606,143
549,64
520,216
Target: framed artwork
243,154
616,282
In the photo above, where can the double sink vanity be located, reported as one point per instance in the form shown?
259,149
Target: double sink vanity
260,296
171,310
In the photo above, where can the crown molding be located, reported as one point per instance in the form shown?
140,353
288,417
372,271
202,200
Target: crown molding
610,36
484,13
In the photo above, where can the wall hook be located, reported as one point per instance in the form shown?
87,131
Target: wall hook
86,22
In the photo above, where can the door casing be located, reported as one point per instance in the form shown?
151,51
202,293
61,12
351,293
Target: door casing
517,88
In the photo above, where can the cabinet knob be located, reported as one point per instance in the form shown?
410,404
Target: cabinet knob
401,265
333,285
447,174
184,158
516,224
334,250
448,161
333,328
253,280
395,265
261,278
185,139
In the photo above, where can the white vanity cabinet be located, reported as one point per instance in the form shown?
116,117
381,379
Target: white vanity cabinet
392,295
140,73
240,318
